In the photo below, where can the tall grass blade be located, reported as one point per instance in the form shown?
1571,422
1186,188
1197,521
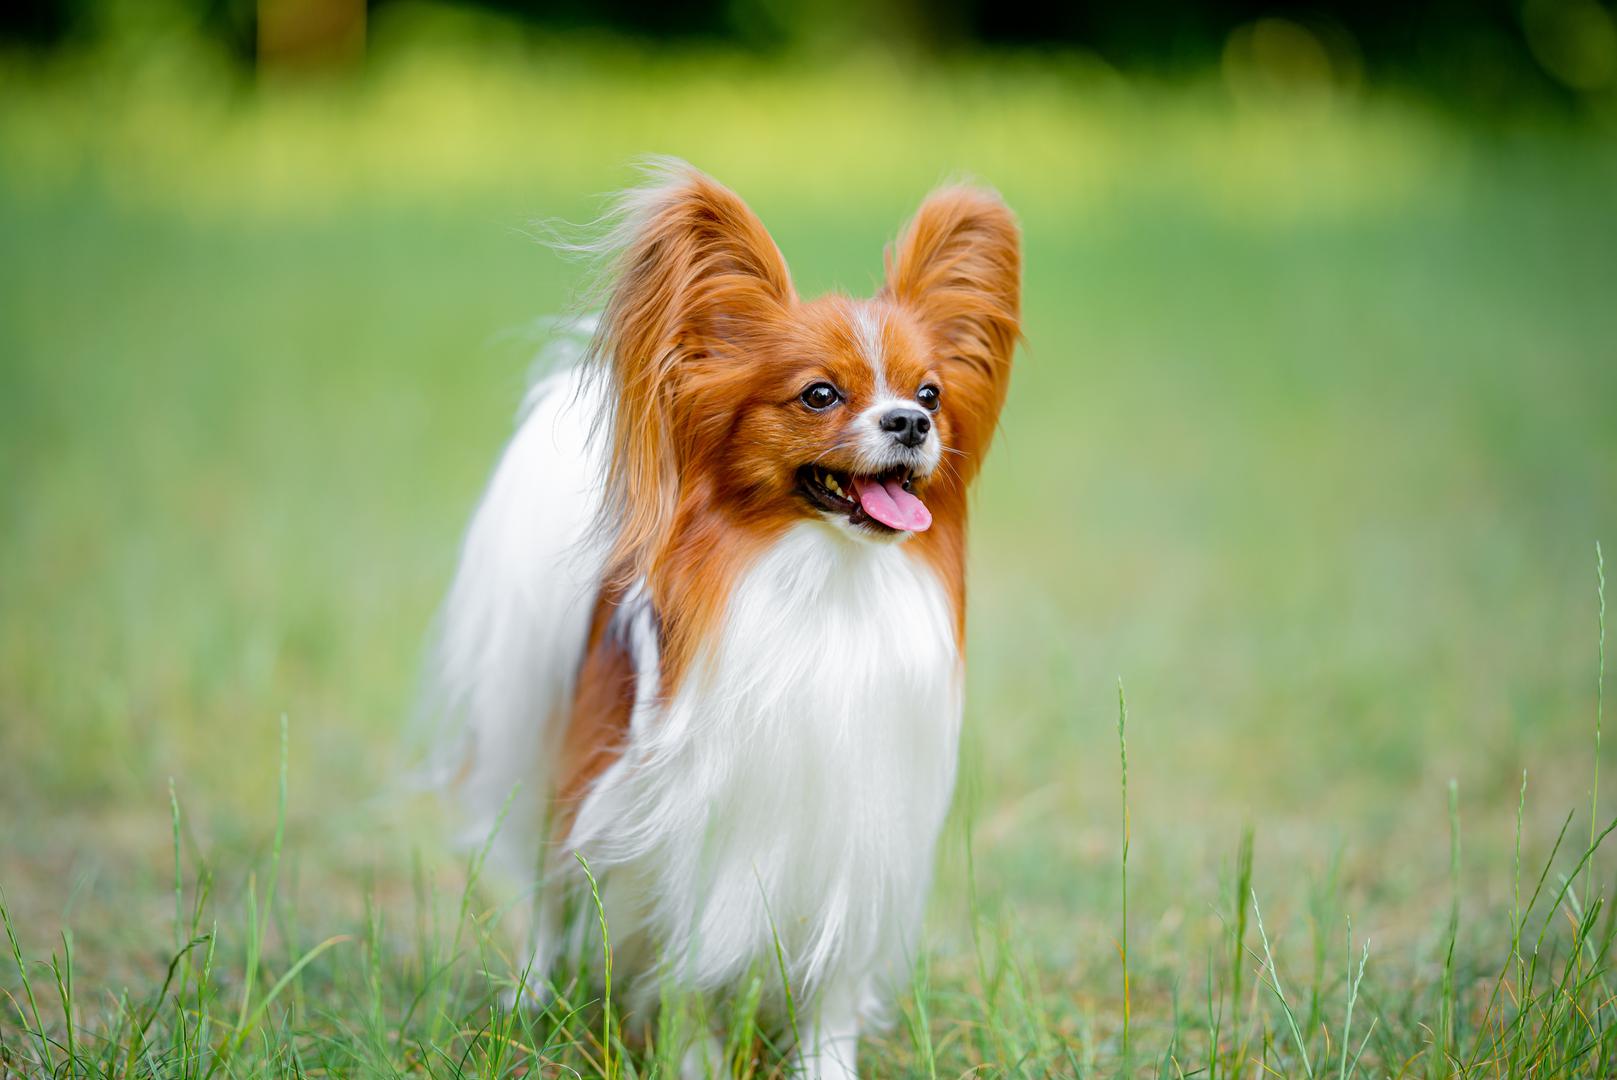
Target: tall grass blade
1354,982
606,958
1123,947
62,972
780,962
283,982
45,1056
1243,889
921,1024
1280,994
179,885
1600,698
255,921
1449,1026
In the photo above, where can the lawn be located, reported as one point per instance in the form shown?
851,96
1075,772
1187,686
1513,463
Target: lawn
1307,456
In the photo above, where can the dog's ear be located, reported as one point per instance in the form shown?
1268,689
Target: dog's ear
958,267
696,284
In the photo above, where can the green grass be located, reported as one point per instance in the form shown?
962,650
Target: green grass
1311,442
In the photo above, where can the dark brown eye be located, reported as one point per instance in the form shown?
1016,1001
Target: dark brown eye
820,396
928,396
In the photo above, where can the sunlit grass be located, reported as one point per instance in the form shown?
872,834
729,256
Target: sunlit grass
436,1001
1311,442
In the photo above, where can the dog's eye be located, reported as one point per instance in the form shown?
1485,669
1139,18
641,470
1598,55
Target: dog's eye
820,396
928,396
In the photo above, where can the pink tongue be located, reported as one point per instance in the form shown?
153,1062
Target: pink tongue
890,504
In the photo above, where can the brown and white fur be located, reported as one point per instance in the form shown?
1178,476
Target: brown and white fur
681,630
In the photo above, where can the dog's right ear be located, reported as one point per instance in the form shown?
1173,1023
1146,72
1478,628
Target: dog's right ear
695,281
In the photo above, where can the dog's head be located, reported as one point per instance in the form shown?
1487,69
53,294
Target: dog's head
732,396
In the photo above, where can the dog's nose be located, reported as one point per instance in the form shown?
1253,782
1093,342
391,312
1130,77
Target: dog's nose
908,426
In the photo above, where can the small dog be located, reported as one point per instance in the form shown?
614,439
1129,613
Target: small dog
708,618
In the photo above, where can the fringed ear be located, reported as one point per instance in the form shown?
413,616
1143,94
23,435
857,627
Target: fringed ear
696,282
958,266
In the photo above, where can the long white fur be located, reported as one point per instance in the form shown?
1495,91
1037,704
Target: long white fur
794,785
512,632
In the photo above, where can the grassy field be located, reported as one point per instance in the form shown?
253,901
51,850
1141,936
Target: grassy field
1310,446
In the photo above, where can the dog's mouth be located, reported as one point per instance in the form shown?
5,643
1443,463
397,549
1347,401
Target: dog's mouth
882,502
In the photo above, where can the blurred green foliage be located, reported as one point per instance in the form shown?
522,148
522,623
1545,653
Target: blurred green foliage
1489,56
1313,434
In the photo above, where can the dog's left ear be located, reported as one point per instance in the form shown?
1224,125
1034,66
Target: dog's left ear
958,267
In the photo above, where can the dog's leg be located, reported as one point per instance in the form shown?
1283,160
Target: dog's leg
831,1045
703,1058
533,988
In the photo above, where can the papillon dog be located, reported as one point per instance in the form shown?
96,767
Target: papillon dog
708,620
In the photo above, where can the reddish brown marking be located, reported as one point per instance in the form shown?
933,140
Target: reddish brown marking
709,351
599,721
957,272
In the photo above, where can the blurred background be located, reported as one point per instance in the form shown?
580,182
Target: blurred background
1311,441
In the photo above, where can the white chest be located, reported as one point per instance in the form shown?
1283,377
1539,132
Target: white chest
795,785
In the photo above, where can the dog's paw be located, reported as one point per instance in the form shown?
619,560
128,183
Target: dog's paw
703,1058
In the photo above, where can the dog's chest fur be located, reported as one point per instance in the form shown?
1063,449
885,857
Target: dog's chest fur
794,786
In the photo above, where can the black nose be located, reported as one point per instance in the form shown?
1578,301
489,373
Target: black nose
908,426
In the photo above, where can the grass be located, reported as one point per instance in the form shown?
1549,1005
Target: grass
1311,442
1123,899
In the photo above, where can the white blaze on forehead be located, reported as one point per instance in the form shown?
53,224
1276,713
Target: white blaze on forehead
875,451
867,328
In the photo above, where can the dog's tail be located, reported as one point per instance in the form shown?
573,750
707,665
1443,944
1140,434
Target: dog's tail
512,632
